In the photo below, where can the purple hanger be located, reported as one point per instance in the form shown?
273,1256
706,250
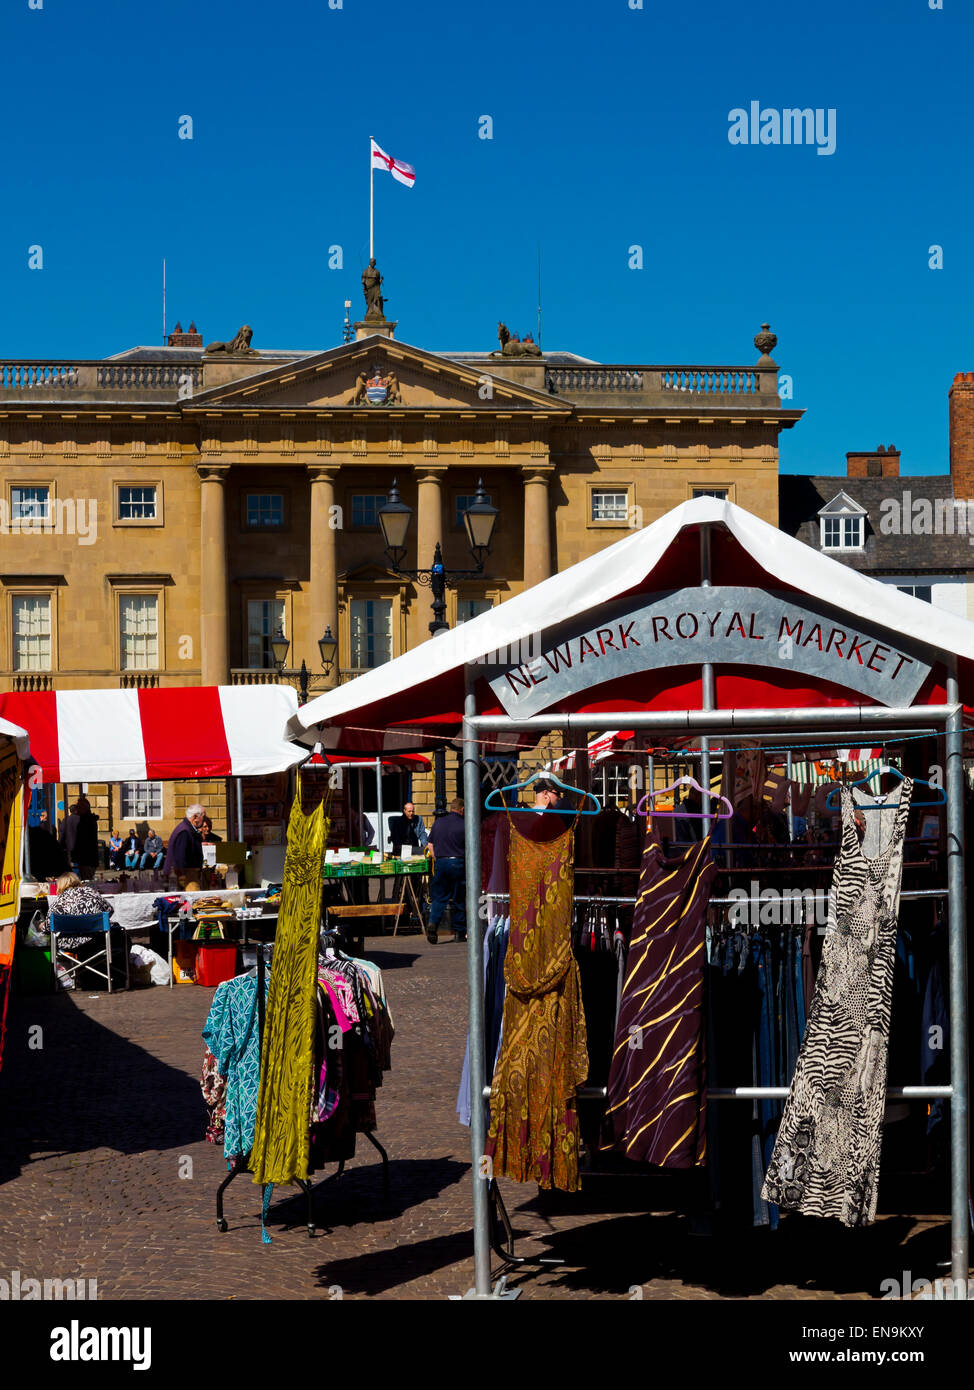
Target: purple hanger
641,809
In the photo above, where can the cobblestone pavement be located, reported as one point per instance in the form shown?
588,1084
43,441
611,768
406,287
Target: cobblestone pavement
104,1174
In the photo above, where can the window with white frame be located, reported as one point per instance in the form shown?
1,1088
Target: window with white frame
139,631
137,503
265,510
30,503
842,532
265,618
365,509
32,632
610,504
721,493
371,632
610,783
141,801
468,608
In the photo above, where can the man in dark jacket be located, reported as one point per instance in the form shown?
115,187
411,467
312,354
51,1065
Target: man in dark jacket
185,850
79,837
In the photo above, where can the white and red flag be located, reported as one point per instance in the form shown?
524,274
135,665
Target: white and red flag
405,173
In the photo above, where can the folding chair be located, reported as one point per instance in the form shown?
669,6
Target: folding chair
87,925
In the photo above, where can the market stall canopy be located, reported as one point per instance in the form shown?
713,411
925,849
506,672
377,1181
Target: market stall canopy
399,762
146,735
783,625
20,737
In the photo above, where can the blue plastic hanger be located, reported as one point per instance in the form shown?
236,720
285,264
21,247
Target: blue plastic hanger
643,810
941,800
555,811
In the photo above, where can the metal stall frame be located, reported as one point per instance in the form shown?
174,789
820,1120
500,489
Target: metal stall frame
780,723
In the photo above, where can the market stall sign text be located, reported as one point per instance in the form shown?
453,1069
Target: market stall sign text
723,624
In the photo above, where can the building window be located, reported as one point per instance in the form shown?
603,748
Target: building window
30,504
610,504
137,504
265,617
842,532
371,632
265,510
141,801
32,632
468,608
139,624
610,783
365,510
721,493
465,501
924,591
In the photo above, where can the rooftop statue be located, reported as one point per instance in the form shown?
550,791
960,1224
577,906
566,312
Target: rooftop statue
238,347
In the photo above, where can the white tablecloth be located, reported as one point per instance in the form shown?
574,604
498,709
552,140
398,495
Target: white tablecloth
134,911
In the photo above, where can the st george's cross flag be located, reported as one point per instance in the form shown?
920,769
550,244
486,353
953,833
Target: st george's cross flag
405,173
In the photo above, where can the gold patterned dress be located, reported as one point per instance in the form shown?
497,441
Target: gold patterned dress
533,1134
281,1137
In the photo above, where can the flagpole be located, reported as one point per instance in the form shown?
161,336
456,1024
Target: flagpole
371,201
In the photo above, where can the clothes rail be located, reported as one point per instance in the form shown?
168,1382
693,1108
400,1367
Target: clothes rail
727,902
776,1092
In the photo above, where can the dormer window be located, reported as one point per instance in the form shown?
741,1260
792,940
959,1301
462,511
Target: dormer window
843,524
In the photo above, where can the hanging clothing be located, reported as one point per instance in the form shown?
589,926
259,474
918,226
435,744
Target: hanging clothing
214,1088
826,1157
533,1135
231,1035
656,1102
281,1138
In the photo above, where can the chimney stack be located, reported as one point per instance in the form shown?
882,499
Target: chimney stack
191,339
961,430
882,462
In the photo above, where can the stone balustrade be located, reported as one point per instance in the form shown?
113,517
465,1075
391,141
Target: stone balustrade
662,385
37,380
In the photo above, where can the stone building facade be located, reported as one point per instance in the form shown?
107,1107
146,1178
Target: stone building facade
165,510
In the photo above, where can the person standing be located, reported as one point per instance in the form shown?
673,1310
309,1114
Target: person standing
78,838
408,829
185,850
449,873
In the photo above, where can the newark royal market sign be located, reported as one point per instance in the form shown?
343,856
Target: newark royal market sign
722,625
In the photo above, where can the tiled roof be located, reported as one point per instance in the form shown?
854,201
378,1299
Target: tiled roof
802,496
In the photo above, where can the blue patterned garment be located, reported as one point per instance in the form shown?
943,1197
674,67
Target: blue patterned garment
230,1032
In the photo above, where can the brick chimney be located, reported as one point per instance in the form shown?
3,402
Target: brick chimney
961,429
882,462
191,339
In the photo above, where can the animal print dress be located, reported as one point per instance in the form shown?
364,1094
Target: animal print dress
826,1156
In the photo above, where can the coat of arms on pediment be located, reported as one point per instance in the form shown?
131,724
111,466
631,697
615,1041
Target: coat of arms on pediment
375,389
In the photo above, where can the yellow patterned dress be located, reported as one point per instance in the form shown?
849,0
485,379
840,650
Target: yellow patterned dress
281,1137
533,1134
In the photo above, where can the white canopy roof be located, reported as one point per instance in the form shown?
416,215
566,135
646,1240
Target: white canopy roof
617,569
19,736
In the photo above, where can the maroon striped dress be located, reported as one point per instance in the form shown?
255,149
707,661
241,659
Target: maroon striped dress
656,1107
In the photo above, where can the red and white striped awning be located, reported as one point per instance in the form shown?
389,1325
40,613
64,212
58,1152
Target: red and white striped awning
605,746
155,735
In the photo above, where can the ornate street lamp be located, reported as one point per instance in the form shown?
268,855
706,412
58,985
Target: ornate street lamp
479,520
327,648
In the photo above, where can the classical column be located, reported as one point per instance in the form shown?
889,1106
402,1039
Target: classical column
429,526
323,585
537,523
214,584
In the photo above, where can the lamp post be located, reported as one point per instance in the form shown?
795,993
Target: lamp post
328,651
479,520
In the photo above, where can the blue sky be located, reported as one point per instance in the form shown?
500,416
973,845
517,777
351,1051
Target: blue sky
610,129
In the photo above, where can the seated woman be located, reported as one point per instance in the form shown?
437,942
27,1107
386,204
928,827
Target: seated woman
77,899
153,851
115,850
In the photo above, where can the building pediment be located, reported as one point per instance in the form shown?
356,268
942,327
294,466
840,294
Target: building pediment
376,374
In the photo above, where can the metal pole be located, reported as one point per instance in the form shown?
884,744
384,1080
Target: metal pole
240,816
813,719
957,936
380,833
707,685
475,986
791,809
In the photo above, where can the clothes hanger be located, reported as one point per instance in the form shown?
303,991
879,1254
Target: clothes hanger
881,771
641,809
541,775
